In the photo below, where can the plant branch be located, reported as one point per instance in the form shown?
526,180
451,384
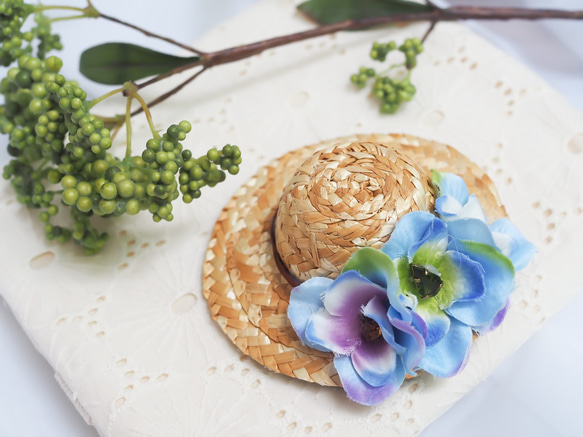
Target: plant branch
150,34
457,13
171,92
450,14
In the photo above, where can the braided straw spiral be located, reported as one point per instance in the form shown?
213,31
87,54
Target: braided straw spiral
343,198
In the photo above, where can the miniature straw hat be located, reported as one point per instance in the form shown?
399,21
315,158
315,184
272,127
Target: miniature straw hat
303,215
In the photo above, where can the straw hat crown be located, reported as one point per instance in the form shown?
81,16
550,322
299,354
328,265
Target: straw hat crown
344,198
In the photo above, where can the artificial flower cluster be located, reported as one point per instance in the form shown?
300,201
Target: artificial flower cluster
415,304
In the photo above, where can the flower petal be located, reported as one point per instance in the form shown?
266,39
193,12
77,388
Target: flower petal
376,311
411,336
435,319
349,292
375,362
447,206
496,322
498,281
341,335
412,229
374,265
473,209
304,301
512,243
449,184
448,356
463,279
358,390
470,229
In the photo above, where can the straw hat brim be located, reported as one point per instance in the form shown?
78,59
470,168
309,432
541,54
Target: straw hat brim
247,294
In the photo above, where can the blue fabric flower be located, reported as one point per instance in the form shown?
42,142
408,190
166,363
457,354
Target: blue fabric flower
460,286
466,220
365,321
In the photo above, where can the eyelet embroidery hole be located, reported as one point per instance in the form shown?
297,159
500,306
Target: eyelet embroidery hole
42,260
575,144
184,303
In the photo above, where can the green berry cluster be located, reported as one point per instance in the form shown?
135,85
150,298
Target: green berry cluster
390,91
207,170
380,51
411,48
62,160
15,42
361,78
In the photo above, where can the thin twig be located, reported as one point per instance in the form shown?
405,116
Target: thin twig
428,31
173,91
151,34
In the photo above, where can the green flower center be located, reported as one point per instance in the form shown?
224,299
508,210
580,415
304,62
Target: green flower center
426,282
369,329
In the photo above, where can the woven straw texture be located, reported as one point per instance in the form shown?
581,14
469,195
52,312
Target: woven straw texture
343,199
247,294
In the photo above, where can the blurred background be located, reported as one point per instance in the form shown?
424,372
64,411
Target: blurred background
536,392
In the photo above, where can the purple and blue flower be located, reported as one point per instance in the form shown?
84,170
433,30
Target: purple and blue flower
415,304
365,321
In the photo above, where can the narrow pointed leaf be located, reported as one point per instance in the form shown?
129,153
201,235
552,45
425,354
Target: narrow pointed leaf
116,63
335,11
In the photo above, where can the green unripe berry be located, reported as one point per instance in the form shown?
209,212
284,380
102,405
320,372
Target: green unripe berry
105,143
228,150
126,188
76,103
171,166
84,204
35,106
140,191
84,188
153,144
53,210
39,90
23,79
185,126
107,206
186,155
213,155
53,64
36,75
148,155
53,176
132,207
167,177
68,181
187,198
70,196
161,157
99,167
109,191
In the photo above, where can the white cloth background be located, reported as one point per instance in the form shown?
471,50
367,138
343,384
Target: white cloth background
536,392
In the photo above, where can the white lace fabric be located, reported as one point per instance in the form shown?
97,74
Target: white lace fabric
128,331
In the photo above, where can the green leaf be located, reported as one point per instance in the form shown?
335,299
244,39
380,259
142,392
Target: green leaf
335,11
116,63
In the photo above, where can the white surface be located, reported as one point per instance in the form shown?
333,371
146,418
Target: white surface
535,392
